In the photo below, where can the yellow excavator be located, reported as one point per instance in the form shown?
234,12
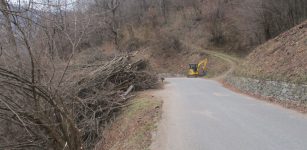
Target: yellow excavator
198,70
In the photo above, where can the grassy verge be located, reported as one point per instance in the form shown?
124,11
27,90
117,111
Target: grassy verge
133,128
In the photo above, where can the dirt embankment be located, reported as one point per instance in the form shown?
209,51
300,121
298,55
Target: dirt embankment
276,71
283,58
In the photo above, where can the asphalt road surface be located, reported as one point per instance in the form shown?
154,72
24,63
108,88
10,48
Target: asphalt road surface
203,115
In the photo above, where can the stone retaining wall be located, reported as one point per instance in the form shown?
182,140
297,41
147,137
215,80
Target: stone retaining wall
278,90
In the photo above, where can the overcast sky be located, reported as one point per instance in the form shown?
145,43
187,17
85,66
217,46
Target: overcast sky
42,4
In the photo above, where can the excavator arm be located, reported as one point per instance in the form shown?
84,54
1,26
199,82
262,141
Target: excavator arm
204,64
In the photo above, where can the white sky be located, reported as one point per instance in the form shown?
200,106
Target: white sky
43,4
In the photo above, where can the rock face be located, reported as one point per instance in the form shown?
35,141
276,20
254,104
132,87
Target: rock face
278,90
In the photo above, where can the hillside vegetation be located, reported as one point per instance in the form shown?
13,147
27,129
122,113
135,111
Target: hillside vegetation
65,65
283,58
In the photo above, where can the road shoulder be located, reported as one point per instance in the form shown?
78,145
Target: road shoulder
133,129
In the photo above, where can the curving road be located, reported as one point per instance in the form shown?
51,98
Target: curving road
203,115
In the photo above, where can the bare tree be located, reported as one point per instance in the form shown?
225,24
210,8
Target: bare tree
216,17
164,9
112,5
6,11
32,105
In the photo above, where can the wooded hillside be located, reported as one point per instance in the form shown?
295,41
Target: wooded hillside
65,65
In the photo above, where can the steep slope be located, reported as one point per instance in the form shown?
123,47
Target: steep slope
283,58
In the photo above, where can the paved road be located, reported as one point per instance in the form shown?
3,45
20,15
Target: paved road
202,115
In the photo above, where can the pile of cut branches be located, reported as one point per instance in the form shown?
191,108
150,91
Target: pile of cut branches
104,91
70,116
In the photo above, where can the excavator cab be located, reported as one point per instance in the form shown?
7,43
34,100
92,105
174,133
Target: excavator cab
198,70
193,70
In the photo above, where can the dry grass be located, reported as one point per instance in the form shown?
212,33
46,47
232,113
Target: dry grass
133,128
283,58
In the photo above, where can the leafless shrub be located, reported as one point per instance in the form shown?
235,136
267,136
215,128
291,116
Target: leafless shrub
68,117
39,109
168,45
